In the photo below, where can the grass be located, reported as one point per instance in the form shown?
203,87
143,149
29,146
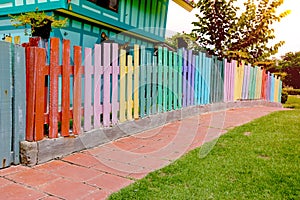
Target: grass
293,101
259,160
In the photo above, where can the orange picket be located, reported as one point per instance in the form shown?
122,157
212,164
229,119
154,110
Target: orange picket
77,91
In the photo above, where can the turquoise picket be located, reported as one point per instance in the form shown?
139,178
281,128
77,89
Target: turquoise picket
175,83
180,72
170,81
148,83
159,81
142,81
154,85
165,79
202,67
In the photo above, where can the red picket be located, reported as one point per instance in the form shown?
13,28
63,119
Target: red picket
77,91
65,110
53,101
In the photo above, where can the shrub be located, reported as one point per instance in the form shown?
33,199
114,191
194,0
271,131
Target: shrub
291,91
284,96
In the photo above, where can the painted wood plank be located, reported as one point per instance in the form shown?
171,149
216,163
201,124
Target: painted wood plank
142,82
97,84
189,78
193,79
136,81
154,85
106,83
65,109
159,80
88,70
30,92
184,79
148,83
175,80
53,101
180,71
115,89
170,81
40,100
202,79
129,88
122,85
6,95
19,101
165,79
77,91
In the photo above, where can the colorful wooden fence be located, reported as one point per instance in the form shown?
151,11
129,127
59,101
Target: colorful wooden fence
103,86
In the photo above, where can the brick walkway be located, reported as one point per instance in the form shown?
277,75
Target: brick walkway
98,172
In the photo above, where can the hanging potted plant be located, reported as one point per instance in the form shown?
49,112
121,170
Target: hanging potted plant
40,23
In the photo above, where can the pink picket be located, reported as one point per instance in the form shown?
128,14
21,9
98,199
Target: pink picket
106,85
88,70
98,70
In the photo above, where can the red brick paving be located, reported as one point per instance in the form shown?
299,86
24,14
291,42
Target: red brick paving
98,172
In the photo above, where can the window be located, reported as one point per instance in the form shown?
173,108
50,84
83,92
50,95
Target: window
108,4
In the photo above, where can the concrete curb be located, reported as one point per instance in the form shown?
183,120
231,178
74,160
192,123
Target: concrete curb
33,153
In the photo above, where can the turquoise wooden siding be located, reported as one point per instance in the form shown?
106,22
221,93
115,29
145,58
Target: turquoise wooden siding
142,17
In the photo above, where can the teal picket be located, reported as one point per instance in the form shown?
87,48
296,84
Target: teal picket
159,81
142,92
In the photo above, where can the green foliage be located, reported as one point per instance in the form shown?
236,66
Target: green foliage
36,19
293,101
284,96
259,160
292,91
188,38
245,37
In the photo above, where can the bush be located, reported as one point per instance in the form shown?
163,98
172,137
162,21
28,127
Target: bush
284,96
292,91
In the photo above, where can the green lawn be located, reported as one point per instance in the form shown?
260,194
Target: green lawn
259,160
293,102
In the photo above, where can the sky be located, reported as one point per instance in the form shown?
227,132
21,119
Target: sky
287,30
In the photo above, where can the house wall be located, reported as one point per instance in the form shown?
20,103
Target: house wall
142,19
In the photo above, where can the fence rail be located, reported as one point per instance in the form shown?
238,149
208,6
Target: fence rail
104,86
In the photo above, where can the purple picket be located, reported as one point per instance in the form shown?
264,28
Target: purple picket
115,73
193,79
268,86
88,70
189,78
232,80
226,73
97,85
106,85
184,81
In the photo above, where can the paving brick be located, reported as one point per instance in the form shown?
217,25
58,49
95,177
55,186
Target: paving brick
82,159
67,189
32,177
76,173
97,195
51,166
17,192
12,170
109,182
4,182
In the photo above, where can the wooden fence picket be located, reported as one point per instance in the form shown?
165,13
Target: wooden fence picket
98,70
170,81
148,83
165,79
142,87
88,70
180,71
77,91
129,87
160,80
154,85
175,80
136,82
66,72
122,85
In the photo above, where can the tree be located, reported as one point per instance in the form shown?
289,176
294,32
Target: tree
290,64
245,37
183,40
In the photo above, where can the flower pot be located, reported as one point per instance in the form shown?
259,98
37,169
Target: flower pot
43,30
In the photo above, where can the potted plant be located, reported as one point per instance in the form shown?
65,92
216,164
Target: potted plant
41,24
